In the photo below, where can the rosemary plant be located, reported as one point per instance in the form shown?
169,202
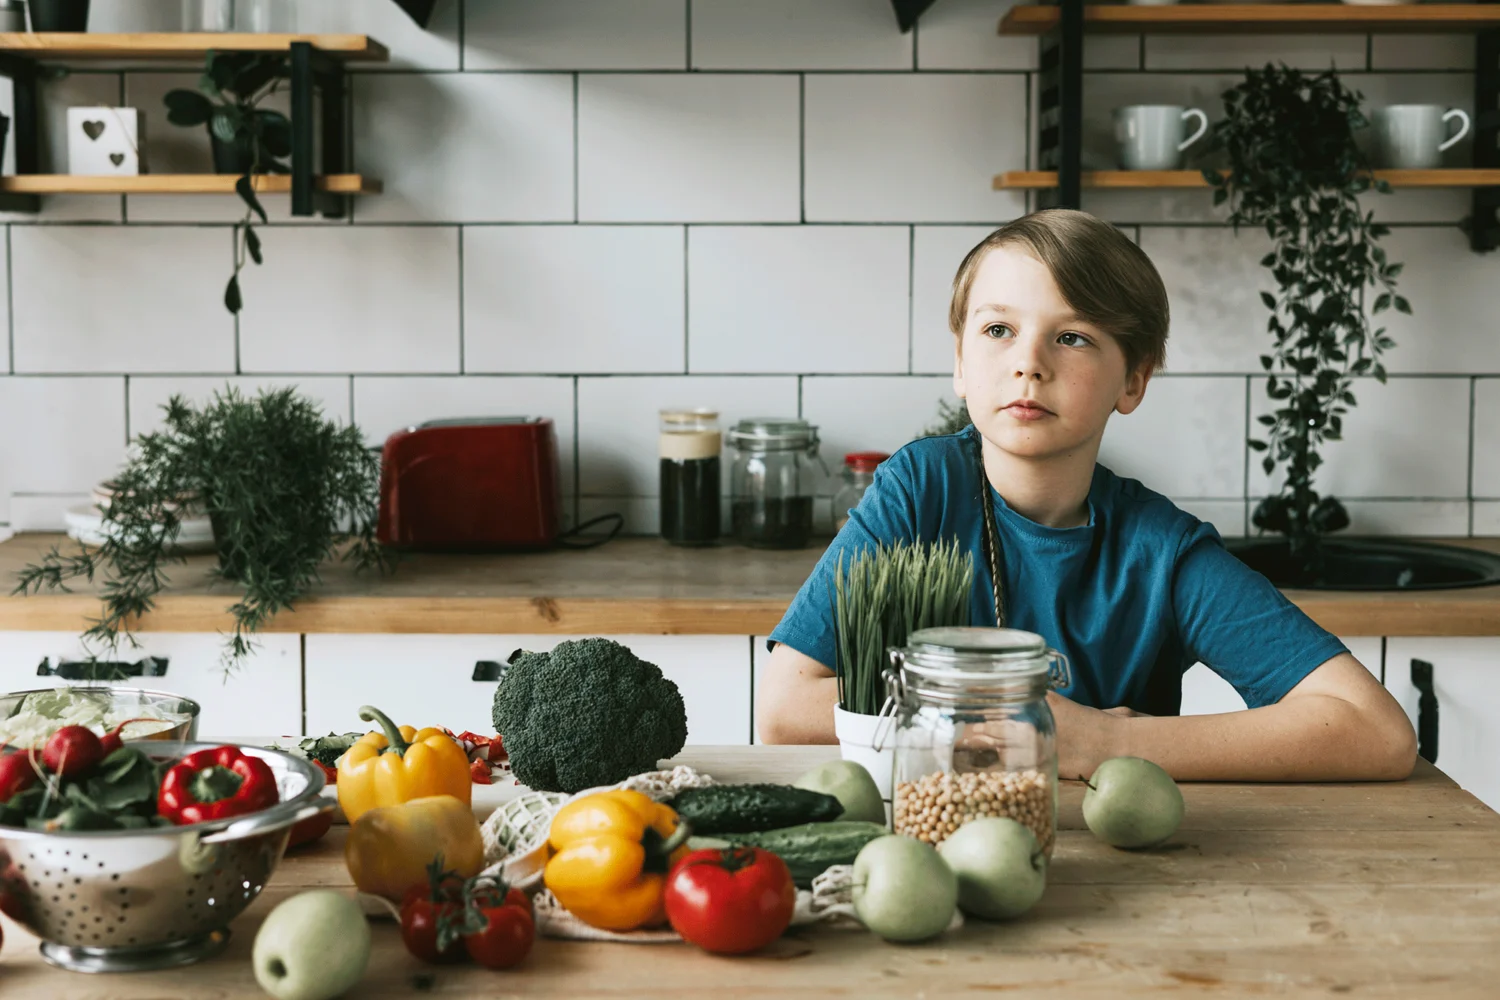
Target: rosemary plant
284,488
885,595
952,418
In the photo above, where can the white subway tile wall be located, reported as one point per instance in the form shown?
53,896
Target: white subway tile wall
597,208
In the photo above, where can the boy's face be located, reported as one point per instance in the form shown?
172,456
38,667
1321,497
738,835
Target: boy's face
1022,343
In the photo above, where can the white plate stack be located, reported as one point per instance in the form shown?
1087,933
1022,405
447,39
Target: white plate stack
86,525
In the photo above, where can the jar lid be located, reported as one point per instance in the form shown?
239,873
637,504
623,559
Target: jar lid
686,416
965,655
773,433
864,461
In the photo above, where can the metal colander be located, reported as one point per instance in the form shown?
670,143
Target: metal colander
127,900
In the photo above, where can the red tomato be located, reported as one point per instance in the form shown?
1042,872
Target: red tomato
421,911
730,901
509,929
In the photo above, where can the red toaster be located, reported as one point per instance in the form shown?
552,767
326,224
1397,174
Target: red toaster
476,484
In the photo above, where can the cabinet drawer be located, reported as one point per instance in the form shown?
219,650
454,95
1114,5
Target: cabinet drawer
1206,693
263,697
428,679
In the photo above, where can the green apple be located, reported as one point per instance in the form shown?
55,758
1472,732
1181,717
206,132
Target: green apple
851,784
1001,869
903,890
1132,802
314,946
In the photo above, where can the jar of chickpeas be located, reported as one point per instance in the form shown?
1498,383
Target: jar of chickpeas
973,735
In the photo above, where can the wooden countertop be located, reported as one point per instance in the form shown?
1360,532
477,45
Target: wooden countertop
630,586
1385,890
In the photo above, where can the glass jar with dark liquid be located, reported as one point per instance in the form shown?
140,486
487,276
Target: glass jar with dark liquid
689,448
773,479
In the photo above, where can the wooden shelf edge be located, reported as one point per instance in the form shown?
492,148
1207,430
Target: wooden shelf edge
1266,18
178,184
181,45
1013,180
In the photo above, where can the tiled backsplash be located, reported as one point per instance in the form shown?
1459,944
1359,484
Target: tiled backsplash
595,208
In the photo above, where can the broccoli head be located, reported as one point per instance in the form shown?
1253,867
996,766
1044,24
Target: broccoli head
588,713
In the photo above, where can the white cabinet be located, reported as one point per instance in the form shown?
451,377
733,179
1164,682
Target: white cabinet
263,697
1466,681
428,679
1206,693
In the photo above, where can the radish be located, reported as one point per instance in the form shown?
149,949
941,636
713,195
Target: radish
72,751
16,775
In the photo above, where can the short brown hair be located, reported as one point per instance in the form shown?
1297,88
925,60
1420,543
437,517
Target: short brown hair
1102,274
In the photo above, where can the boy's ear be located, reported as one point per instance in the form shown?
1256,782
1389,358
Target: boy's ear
1135,390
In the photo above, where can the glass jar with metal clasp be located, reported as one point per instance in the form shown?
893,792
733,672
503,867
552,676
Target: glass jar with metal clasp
972,733
774,474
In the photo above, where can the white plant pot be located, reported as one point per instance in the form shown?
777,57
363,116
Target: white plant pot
856,735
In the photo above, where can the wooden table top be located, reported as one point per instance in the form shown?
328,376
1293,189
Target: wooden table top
1385,890
632,586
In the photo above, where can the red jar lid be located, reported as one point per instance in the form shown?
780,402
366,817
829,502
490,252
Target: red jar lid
864,461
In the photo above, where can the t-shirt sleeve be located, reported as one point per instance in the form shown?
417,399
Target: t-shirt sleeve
1235,621
885,514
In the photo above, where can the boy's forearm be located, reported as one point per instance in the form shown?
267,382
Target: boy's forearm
1313,737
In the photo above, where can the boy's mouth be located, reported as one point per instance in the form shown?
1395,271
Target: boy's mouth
1026,409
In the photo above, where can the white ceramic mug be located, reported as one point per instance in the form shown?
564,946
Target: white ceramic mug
1410,136
1150,135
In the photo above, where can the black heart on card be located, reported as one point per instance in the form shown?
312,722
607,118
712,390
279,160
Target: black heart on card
117,158
93,130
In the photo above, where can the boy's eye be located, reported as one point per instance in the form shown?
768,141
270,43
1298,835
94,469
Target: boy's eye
996,330
1079,340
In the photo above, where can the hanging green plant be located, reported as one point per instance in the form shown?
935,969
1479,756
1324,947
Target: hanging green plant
246,138
1296,171
284,488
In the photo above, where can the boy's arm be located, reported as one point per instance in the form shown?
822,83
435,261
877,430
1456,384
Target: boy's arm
796,698
1337,724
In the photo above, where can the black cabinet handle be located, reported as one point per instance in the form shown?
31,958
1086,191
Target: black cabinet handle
488,671
102,670
1427,711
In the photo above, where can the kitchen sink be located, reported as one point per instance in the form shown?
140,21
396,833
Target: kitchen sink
1371,564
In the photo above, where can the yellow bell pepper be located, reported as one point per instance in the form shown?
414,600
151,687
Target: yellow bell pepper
389,847
389,766
611,854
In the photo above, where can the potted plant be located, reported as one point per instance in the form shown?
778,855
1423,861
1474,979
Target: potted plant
284,488
246,139
59,15
1296,171
879,598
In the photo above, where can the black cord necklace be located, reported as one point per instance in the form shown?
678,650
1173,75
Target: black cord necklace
991,532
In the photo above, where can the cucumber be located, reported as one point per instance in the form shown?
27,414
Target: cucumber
813,848
744,808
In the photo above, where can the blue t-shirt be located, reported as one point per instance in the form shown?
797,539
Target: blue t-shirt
1133,598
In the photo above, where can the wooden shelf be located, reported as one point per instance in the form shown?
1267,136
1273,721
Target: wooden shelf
1261,18
1118,179
178,184
190,46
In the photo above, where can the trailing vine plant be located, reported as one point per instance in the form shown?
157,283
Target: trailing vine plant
1296,171
284,488
228,100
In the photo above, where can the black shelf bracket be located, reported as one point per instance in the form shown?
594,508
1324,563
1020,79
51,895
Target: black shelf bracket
1060,108
1484,225
319,86
25,129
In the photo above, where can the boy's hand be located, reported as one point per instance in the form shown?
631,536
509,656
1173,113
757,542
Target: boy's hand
1086,737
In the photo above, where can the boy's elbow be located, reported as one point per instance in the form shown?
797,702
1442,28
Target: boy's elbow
1398,756
772,728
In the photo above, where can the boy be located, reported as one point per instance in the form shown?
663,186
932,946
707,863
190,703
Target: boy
1059,321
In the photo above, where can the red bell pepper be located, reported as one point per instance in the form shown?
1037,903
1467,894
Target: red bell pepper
215,784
